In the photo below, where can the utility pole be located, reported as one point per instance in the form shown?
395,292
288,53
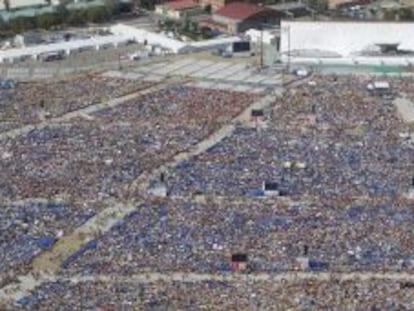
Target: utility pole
288,29
261,47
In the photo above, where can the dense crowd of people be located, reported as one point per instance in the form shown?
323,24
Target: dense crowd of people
32,102
30,227
184,235
93,158
332,140
247,294
339,156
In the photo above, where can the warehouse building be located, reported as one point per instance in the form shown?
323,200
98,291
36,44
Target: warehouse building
240,16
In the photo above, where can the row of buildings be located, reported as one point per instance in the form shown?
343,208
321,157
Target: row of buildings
353,9
6,5
232,17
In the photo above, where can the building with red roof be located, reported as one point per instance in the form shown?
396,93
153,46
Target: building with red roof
238,17
240,10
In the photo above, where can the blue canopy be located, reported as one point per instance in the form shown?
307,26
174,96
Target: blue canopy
46,241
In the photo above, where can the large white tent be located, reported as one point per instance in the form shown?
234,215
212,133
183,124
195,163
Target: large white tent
345,42
12,55
120,34
171,44
152,38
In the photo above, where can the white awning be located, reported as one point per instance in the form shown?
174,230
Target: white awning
381,85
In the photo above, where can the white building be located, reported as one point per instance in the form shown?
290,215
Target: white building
373,43
17,4
270,36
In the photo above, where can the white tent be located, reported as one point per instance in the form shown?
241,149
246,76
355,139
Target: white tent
171,44
151,38
381,85
214,43
13,55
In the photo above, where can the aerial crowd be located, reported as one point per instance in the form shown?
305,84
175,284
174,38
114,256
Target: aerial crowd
222,295
340,155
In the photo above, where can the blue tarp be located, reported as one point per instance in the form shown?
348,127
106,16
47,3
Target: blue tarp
6,84
24,301
318,265
255,193
355,211
46,241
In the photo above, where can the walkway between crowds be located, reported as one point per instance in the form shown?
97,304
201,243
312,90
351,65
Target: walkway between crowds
234,277
141,183
48,262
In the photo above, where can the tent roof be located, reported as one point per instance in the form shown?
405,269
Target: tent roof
381,85
62,46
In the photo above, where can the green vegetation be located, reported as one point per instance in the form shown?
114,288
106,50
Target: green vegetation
318,5
405,14
208,9
62,17
147,4
402,14
185,27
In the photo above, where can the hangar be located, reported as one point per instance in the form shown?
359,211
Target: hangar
330,42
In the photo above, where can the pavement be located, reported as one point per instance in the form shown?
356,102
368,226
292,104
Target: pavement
220,73
405,108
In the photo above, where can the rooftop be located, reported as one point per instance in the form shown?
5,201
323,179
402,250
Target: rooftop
240,10
181,4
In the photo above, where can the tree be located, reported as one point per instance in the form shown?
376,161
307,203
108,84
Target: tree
194,27
147,4
406,14
97,14
115,8
20,24
47,20
318,5
62,14
169,24
208,9
389,15
206,32
76,17
186,24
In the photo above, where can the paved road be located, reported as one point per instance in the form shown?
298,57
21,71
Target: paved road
234,277
405,108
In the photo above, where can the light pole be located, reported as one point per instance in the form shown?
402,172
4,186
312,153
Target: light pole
287,29
261,47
